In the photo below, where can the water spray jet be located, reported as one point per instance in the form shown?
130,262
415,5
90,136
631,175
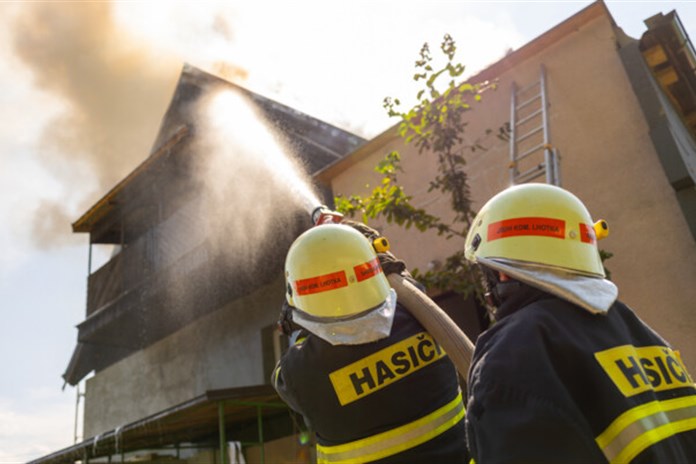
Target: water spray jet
229,110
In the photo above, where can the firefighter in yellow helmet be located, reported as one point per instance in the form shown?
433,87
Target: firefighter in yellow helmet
567,373
369,380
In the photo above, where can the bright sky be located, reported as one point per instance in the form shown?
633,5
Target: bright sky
83,87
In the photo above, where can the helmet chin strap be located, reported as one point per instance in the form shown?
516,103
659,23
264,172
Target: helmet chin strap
506,289
491,281
498,291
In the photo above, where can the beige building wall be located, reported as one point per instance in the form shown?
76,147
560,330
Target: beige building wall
608,160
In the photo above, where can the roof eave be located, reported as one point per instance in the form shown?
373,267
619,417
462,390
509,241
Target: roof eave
106,204
239,403
548,38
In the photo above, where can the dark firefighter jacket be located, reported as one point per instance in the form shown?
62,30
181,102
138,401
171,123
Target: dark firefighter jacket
396,400
551,383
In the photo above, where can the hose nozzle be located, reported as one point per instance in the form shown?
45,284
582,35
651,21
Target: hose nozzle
323,215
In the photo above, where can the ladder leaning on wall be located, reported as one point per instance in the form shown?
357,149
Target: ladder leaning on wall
531,152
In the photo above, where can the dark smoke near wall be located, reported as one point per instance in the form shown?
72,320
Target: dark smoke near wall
114,91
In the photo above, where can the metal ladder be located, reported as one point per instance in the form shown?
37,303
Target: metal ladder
531,153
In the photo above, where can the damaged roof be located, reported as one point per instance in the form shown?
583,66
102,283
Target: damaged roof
316,143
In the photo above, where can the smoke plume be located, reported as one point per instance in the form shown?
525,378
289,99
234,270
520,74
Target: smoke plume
115,92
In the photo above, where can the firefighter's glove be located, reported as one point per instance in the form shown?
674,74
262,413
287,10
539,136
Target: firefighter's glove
285,322
390,264
370,233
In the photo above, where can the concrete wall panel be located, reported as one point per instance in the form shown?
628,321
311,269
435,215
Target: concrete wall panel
220,350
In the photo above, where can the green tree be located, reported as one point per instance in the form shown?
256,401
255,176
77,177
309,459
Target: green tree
435,125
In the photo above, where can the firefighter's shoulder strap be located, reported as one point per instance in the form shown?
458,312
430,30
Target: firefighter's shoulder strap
396,440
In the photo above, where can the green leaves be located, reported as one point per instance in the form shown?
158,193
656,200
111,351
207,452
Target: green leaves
436,126
387,200
605,255
455,275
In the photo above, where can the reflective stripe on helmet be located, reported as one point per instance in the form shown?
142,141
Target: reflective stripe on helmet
587,234
367,270
395,440
539,226
321,283
337,279
643,426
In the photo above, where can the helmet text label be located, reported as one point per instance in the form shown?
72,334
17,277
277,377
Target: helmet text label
367,270
538,226
321,283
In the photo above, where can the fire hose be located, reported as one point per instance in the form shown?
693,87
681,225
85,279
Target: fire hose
433,318
438,324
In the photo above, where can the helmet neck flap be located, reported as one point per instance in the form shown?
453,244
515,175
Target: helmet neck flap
593,294
368,326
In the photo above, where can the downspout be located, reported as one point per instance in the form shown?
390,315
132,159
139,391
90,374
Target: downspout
221,427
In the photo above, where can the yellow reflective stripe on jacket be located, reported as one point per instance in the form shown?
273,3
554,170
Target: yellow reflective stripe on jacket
276,373
647,424
395,440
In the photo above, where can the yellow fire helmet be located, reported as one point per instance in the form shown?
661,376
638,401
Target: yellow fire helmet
538,224
333,273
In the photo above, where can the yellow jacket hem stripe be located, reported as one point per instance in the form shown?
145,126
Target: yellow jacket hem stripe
395,440
640,427
653,436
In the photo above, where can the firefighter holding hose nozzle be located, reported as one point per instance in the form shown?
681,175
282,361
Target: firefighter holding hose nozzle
369,380
567,373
